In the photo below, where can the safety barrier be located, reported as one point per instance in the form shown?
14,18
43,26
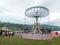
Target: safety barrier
37,36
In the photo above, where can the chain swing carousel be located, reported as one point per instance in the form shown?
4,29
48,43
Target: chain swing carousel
37,31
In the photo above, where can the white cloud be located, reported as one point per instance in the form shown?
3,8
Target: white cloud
15,9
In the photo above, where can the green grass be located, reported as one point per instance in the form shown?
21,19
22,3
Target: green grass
17,40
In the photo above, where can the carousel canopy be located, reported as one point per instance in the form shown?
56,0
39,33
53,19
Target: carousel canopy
37,11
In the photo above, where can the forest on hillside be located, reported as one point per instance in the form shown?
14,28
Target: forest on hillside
14,26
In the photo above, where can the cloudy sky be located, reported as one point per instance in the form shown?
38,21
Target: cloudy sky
14,11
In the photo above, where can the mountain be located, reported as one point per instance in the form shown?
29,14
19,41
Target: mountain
13,26
52,27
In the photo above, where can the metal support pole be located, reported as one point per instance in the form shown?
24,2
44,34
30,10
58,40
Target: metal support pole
36,21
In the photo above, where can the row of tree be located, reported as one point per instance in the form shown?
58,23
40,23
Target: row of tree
14,26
